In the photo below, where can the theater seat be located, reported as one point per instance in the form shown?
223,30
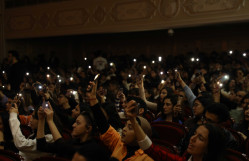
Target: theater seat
168,131
50,158
247,146
232,155
9,156
165,146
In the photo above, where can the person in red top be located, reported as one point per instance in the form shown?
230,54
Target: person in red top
207,144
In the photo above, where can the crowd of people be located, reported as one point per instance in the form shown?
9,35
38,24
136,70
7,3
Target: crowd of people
106,105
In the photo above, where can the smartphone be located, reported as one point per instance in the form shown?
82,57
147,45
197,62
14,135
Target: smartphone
96,77
45,104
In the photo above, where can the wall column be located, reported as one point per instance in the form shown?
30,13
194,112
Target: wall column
2,39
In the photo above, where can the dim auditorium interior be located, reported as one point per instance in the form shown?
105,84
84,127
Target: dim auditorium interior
126,80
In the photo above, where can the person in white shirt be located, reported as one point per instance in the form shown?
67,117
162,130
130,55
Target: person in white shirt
26,146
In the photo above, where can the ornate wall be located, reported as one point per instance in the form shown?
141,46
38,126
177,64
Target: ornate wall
112,16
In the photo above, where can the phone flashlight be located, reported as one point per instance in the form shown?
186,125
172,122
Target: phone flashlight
3,86
48,68
85,58
27,74
226,77
230,52
129,75
40,87
244,54
48,76
59,80
3,71
58,76
161,73
71,78
96,77
159,58
162,81
111,64
153,61
144,67
192,59
197,59
89,66
220,84
134,60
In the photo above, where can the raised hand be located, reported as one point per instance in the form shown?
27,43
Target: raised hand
131,109
41,114
49,112
14,108
91,94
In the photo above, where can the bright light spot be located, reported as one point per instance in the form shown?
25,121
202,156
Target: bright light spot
134,60
197,59
27,73
71,78
60,80
40,87
3,71
162,81
48,76
89,67
192,59
230,52
153,61
226,77
129,75
161,73
159,58
244,54
74,92
144,67
111,64
48,68
58,76
85,58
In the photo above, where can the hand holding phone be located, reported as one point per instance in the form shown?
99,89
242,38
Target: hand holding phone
45,105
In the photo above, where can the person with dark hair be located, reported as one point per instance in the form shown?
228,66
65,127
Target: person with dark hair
243,126
158,106
218,113
167,113
207,144
123,147
15,73
27,146
84,130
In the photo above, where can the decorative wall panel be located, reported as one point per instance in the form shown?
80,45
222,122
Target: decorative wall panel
110,16
202,6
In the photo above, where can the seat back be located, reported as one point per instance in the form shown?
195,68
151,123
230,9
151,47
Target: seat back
232,155
9,156
239,139
169,131
247,146
165,146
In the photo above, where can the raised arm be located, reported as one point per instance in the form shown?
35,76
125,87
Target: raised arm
150,105
19,139
49,114
189,94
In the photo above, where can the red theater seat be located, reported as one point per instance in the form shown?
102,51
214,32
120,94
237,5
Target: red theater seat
9,156
233,155
169,131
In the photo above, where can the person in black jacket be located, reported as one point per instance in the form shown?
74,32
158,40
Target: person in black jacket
83,132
